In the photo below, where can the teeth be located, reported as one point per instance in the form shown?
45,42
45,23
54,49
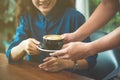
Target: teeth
43,3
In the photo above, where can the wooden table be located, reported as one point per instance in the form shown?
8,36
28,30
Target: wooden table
30,71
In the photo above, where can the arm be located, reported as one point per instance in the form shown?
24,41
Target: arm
103,13
21,43
26,46
17,52
110,41
53,64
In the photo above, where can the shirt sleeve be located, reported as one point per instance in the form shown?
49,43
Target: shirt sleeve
77,20
21,34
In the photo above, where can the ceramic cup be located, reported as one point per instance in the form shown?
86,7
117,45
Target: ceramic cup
53,42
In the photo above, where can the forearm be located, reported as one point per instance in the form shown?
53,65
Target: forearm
110,41
17,52
103,13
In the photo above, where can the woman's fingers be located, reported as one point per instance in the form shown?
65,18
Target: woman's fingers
35,41
53,67
47,59
49,62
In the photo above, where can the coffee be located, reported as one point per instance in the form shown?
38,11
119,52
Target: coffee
53,37
53,42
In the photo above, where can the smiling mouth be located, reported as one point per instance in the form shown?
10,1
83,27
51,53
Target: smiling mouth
44,3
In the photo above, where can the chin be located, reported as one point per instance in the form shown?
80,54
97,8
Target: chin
45,11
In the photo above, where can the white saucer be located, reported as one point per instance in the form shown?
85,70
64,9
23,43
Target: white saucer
45,50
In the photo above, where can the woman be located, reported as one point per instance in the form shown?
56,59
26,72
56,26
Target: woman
37,18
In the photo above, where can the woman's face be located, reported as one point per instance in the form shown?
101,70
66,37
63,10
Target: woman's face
44,6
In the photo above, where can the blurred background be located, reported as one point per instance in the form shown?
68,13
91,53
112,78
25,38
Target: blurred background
7,27
7,19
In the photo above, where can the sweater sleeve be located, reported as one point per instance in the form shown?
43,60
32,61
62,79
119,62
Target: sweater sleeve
22,33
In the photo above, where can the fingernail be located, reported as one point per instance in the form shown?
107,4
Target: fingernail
39,66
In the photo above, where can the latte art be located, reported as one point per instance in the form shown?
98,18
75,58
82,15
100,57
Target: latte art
53,37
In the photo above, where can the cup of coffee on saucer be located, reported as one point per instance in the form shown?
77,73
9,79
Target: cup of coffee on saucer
52,43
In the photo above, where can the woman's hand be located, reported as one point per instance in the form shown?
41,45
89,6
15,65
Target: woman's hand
30,46
53,64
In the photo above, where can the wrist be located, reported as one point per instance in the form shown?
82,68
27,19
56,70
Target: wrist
22,46
76,66
76,36
92,50
69,64
17,52
80,35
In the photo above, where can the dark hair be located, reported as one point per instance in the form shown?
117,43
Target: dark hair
26,6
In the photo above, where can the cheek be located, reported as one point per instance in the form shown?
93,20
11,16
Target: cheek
53,3
35,2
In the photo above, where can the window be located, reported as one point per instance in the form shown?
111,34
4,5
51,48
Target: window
83,7
88,6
